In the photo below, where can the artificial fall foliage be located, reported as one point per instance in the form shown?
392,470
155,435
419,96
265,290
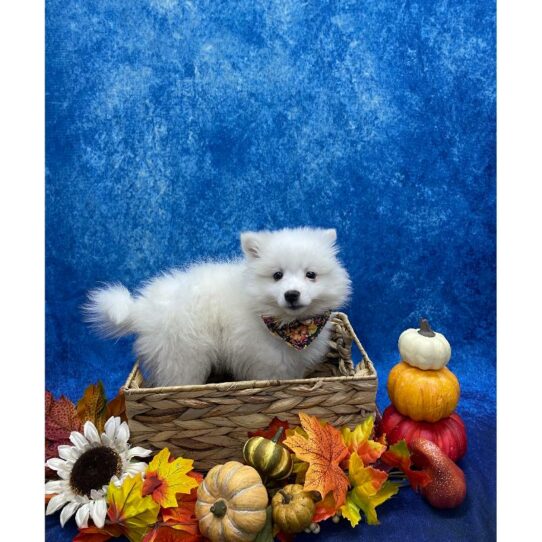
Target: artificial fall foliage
359,441
325,509
93,406
62,416
60,420
165,478
178,524
323,450
271,430
398,456
165,533
370,488
129,509
347,469
95,534
299,468
182,518
117,407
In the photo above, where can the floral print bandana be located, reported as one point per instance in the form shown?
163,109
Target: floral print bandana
300,333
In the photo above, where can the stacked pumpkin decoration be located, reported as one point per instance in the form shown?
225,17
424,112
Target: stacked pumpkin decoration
424,394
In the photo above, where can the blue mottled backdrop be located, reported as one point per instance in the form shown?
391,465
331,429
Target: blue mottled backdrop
173,125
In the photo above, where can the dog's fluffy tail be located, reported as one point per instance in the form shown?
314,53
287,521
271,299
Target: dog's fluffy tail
109,310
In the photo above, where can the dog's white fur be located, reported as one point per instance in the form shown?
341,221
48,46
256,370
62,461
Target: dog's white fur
208,317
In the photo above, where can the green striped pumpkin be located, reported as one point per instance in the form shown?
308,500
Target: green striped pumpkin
268,457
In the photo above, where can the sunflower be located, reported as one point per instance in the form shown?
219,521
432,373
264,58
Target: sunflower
86,469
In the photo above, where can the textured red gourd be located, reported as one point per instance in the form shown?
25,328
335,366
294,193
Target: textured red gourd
448,487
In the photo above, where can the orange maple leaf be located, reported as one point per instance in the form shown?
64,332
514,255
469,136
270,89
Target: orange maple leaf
323,449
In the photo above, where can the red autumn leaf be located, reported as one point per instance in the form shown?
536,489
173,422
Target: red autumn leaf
93,406
51,449
271,430
182,517
323,449
48,401
325,509
117,407
95,534
162,532
398,456
60,420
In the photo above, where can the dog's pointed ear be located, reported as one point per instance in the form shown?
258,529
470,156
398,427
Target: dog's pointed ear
330,235
251,243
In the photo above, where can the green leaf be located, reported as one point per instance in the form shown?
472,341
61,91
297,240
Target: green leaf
266,534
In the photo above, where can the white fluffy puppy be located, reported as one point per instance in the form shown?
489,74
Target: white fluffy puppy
210,317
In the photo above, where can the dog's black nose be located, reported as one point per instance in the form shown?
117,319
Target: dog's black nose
291,296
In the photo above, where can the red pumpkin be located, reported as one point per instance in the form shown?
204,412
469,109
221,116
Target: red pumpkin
448,434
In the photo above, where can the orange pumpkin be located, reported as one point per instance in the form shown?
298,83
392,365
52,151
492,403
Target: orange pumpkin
422,395
231,504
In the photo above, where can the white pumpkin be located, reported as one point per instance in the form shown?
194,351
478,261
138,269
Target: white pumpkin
424,348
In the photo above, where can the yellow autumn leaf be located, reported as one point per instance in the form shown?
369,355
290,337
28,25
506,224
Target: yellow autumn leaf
165,478
367,478
359,441
370,488
129,509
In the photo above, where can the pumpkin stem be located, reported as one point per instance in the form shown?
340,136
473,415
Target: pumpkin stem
278,434
285,497
425,328
219,508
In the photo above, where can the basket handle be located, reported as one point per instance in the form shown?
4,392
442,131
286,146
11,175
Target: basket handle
345,331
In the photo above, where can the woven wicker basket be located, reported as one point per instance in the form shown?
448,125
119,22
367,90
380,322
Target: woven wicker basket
210,422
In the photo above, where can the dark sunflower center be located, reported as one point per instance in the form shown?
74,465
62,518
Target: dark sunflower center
94,469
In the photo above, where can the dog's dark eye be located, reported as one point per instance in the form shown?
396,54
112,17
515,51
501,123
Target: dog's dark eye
277,275
311,275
